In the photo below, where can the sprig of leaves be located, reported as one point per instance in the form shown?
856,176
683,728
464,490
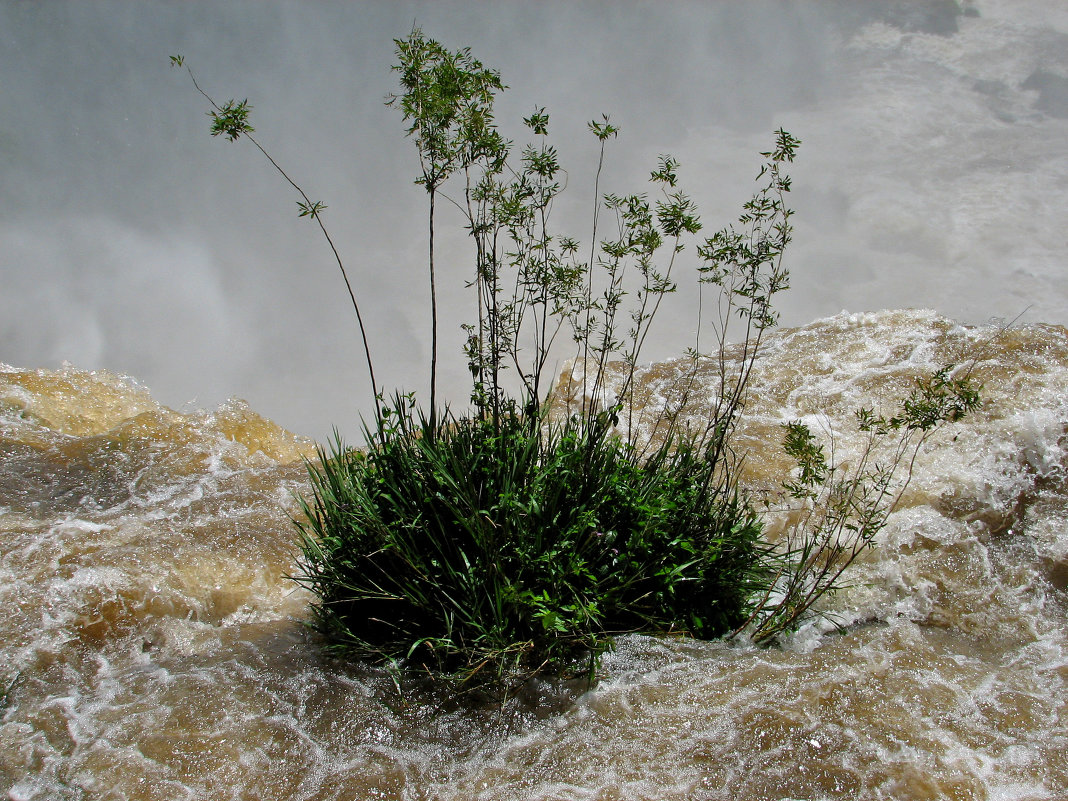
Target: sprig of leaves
231,120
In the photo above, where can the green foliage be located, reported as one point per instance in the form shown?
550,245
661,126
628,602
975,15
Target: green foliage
514,548
310,209
231,120
799,443
448,98
933,400
505,541
746,263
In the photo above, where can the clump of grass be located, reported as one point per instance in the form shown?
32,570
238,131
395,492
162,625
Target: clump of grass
482,549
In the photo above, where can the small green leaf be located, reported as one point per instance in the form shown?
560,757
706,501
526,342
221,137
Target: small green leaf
310,209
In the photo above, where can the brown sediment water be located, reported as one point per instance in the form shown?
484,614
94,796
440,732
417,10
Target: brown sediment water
152,646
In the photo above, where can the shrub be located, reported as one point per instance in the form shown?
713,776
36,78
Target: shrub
521,535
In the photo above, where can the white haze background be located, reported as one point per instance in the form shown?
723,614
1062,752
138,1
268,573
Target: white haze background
933,171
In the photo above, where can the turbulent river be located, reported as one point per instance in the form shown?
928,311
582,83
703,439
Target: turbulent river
152,646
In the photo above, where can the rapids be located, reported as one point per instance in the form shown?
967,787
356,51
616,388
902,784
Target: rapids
153,647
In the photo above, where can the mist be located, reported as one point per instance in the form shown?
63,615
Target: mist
933,172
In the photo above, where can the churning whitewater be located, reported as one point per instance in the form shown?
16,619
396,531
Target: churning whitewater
154,648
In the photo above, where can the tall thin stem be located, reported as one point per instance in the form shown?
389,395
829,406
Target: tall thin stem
589,271
375,390
433,317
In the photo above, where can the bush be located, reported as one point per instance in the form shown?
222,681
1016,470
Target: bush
505,541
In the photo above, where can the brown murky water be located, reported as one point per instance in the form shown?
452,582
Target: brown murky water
153,647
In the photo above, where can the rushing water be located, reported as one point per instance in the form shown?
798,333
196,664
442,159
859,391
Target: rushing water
154,647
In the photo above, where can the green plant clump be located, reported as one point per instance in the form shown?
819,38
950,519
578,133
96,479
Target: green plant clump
521,535
518,546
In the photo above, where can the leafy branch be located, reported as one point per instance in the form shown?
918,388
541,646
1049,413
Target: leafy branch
448,98
845,506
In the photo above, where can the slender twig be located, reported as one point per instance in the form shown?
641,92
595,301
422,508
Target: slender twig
313,209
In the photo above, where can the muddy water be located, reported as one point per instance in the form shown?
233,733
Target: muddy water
153,647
